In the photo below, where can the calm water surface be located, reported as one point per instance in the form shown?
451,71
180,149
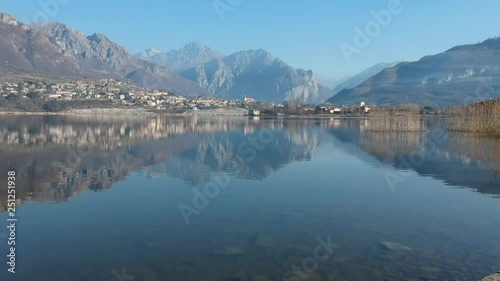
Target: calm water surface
241,199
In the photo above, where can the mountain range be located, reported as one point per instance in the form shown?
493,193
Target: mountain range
252,73
256,74
56,50
461,75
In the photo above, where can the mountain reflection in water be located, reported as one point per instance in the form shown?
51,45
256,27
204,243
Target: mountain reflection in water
57,158
292,182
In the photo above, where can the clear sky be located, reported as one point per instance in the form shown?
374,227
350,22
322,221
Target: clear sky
303,33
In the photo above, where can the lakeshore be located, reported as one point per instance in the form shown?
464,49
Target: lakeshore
481,119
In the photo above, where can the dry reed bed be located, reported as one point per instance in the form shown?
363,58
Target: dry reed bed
390,132
481,118
405,119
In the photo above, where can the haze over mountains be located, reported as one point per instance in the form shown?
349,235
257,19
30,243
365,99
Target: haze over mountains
461,75
327,81
355,80
189,56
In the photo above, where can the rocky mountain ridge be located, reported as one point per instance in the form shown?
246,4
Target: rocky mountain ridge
54,49
461,75
256,74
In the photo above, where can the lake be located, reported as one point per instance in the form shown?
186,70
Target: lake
239,199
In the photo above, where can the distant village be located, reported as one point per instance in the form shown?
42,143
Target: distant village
115,93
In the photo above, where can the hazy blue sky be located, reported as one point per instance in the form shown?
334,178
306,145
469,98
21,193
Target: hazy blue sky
303,33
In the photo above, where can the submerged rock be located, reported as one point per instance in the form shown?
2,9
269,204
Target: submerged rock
229,251
395,246
493,277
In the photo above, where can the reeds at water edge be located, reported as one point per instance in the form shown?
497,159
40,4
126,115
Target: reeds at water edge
406,119
481,118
